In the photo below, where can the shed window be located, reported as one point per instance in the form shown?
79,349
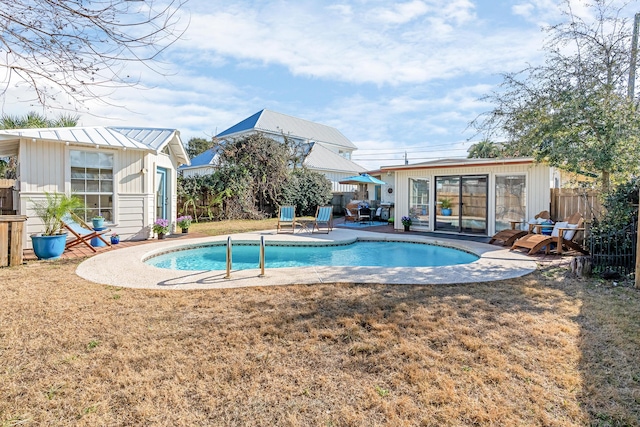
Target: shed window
92,181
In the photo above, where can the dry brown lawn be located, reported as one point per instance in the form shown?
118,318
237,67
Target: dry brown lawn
543,350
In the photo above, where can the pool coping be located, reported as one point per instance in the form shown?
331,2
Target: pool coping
125,267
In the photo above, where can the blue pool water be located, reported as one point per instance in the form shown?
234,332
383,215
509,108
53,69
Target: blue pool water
373,254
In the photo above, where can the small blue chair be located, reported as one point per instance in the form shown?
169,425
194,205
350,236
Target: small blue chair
287,217
324,216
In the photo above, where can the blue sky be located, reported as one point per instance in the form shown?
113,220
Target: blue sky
391,76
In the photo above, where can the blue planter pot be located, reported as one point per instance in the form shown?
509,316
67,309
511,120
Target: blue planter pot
49,247
446,211
98,222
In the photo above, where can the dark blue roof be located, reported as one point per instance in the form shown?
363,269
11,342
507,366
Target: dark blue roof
202,159
247,124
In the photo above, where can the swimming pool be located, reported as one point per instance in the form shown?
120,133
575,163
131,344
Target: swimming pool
359,253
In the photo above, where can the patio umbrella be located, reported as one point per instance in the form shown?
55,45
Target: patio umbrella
363,178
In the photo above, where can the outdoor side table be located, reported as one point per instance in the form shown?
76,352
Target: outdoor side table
96,242
306,224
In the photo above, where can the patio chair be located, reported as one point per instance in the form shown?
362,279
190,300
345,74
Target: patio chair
563,236
378,215
509,236
365,215
324,216
286,218
349,215
82,232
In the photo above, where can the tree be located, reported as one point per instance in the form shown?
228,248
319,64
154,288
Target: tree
256,167
573,111
30,120
36,120
484,149
306,189
197,146
75,47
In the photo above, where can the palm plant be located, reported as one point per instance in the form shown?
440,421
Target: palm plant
52,210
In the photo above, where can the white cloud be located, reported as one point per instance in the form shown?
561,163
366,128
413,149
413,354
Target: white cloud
399,13
427,41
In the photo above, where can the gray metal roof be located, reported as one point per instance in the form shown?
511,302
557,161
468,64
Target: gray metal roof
321,158
148,139
277,123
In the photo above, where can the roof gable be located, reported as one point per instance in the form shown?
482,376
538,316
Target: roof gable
321,158
277,123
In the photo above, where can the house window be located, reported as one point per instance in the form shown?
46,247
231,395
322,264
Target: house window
92,182
511,200
345,154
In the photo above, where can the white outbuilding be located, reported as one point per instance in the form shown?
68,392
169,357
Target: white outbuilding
126,174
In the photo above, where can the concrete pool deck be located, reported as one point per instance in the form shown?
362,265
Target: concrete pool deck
125,267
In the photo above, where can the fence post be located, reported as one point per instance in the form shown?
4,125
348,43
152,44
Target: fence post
637,276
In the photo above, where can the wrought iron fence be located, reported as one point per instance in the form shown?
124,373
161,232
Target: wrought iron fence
616,250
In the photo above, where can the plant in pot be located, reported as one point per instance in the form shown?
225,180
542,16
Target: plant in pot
50,244
184,222
161,227
445,207
115,239
98,221
406,221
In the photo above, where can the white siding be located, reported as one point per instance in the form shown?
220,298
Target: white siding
133,219
538,189
201,171
128,172
42,166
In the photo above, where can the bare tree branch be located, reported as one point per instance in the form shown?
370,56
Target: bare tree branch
73,47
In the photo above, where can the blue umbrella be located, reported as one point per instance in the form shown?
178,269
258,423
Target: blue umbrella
363,178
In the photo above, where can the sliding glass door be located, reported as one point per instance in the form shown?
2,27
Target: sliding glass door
462,203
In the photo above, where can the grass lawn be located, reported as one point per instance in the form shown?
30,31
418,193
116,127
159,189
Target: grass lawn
543,350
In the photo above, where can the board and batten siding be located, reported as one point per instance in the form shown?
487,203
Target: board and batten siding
43,166
538,187
128,175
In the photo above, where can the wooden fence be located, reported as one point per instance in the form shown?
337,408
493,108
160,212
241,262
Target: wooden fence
6,196
567,201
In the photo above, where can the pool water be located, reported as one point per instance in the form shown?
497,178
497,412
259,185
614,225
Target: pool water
358,254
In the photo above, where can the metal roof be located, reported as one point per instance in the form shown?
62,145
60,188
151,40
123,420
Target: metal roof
148,139
206,158
277,123
321,158
461,162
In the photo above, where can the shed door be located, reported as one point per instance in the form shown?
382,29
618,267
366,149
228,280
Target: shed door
162,198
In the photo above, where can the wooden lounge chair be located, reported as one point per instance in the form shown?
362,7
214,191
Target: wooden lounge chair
350,214
82,232
287,218
324,216
509,236
563,236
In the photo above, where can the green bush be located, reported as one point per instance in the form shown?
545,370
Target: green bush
306,190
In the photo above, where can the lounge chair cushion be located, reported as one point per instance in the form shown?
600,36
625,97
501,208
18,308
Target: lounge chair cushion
568,235
557,226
